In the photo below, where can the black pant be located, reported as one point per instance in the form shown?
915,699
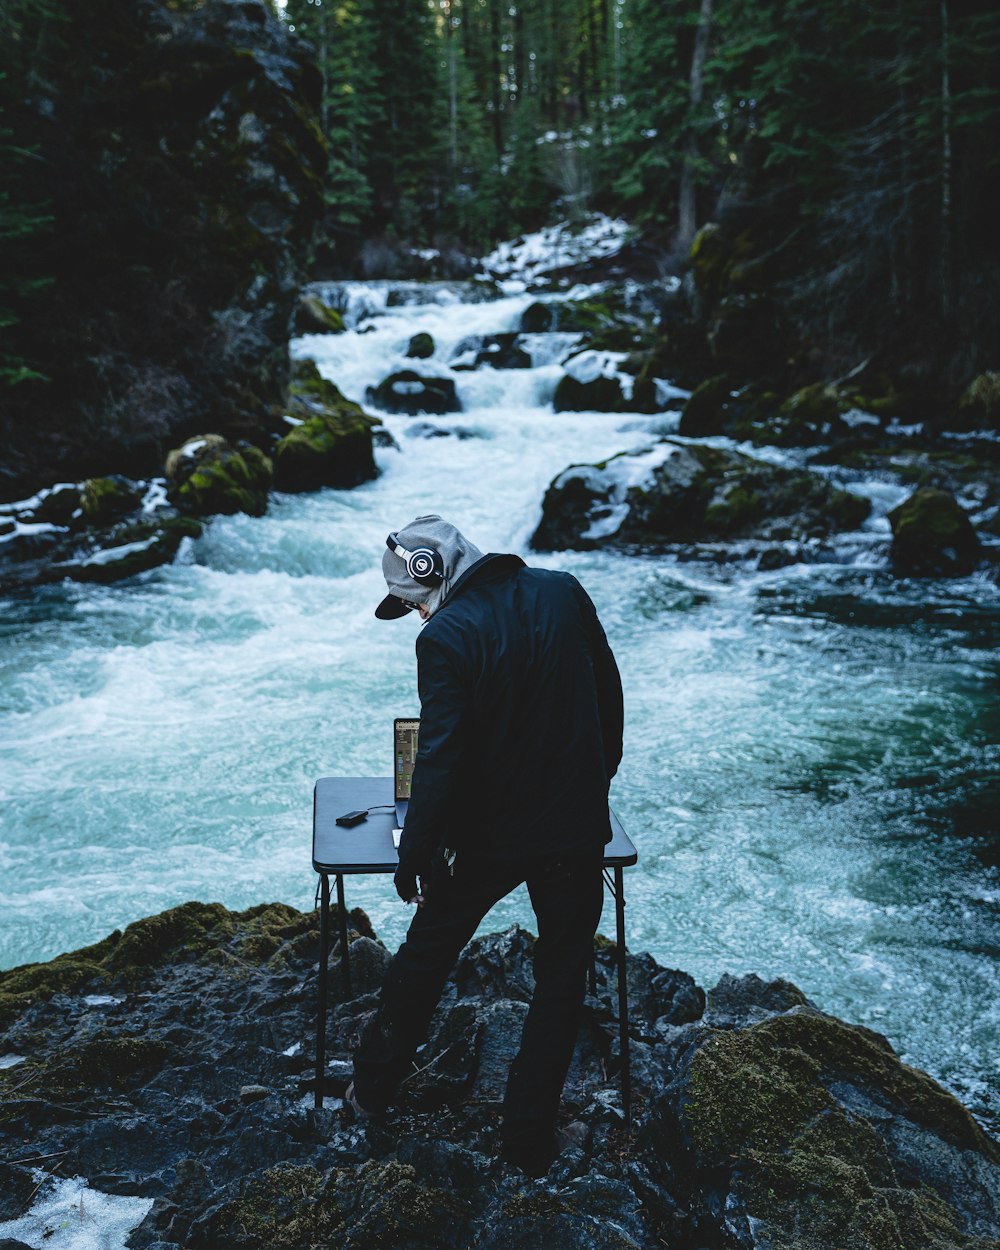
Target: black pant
566,893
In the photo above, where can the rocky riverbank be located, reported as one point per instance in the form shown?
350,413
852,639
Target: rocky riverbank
172,1062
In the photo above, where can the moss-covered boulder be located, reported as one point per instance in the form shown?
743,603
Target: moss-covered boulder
979,405
331,440
312,316
810,1133
675,492
328,448
207,475
108,499
409,392
932,536
589,316
421,346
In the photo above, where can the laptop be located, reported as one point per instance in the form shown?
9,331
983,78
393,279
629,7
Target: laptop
404,752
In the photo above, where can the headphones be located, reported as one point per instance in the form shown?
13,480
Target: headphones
424,564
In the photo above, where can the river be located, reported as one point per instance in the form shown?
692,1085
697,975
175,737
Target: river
809,752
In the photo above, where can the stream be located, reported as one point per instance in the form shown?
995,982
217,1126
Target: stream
811,762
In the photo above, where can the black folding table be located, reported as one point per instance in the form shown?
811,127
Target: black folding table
366,848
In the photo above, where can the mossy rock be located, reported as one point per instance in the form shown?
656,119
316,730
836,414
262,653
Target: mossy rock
809,416
600,394
706,410
208,476
306,381
581,316
328,449
381,1205
108,499
932,536
131,549
675,492
763,1103
312,316
190,932
421,346
979,406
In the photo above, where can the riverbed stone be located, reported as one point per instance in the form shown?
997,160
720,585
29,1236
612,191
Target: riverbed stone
421,346
409,392
108,499
597,394
208,475
312,316
675,492
932,536
331,440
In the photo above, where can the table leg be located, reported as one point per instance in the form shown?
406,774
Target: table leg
324,959
345,954
626,1072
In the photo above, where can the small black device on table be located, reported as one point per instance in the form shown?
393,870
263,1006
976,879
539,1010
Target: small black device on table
341,850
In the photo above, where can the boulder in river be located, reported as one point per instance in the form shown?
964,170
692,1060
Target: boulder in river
421,346
108,499
674,492
173,1060
331,439
207,475
312,316
590,384
410,392
932,536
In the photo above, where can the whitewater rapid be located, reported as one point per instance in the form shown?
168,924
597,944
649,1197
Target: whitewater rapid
159,740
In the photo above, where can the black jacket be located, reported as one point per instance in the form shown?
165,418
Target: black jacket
520,719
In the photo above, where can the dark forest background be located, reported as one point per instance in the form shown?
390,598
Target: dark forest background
828,168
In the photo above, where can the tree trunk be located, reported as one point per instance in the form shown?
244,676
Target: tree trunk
687,214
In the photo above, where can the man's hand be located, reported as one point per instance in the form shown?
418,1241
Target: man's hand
405,882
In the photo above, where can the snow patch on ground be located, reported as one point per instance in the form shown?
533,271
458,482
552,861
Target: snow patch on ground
521,261
71,1216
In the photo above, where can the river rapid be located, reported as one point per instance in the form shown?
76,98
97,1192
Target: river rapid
810,753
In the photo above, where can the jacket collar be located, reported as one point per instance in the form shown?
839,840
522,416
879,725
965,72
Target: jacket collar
489,568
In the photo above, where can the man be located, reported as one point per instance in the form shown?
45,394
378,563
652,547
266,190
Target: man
520,735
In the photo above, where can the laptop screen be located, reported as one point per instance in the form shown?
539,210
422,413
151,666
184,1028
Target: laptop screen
404,753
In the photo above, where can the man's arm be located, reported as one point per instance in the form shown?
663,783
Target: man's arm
610,700
444,706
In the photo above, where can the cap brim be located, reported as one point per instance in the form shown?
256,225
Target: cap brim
391,608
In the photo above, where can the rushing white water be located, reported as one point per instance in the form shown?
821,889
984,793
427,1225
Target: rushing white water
803,747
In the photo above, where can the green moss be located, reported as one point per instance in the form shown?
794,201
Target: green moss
705,410
740,508
314,317
980,401
108,499
191,932
225,480
818,1175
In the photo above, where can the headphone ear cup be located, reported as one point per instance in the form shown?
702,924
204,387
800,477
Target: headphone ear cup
425,566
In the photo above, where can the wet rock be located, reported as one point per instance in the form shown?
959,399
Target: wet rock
60,505
409,392
979,405
331,440
495,351
427,429
932,536
678,492
759,1121
312,316
108,499
596,394
207,475
421,346
127,550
